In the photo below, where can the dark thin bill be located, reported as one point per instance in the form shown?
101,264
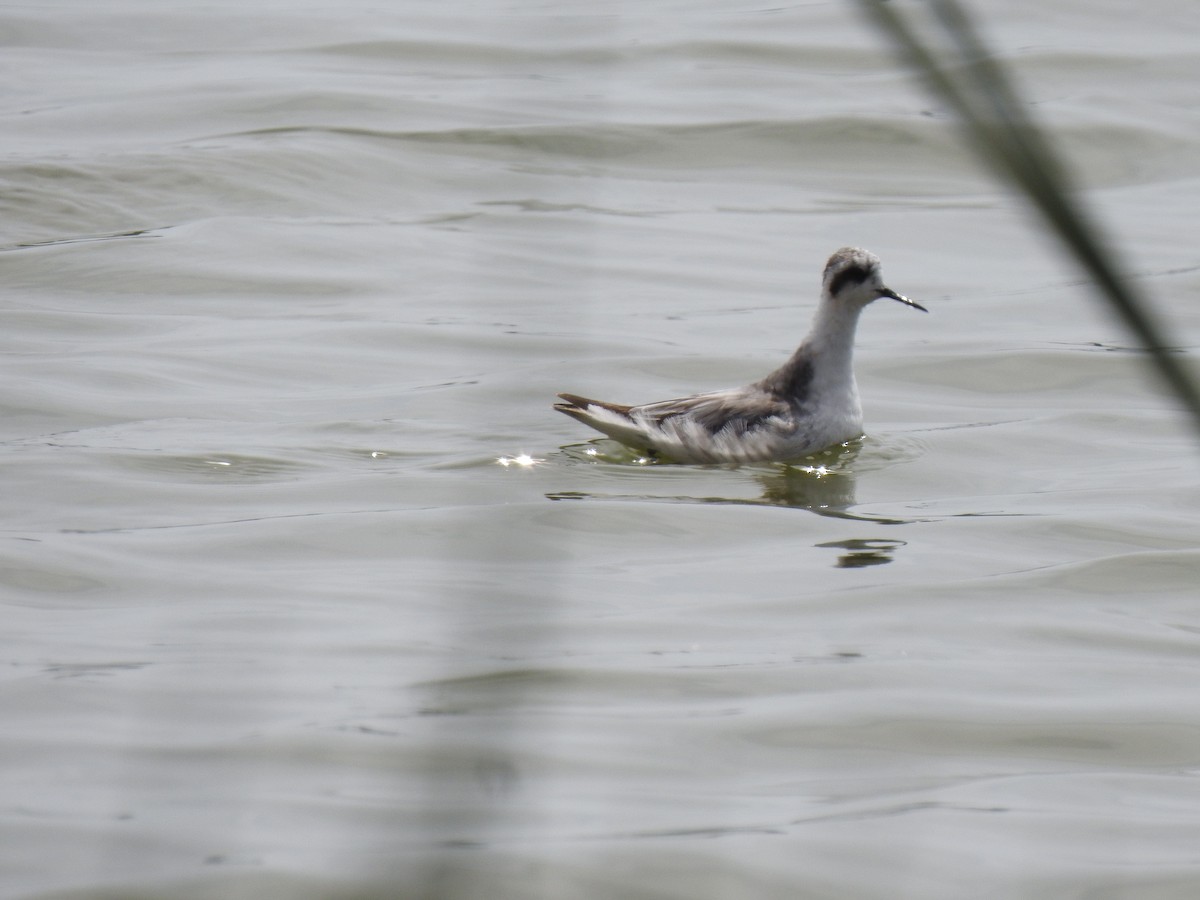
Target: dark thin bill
888,292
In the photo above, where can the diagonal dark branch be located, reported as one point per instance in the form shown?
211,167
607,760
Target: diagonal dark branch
968,78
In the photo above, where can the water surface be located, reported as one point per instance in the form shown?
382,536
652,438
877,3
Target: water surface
284,284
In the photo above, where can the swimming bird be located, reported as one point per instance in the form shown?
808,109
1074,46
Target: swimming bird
806,405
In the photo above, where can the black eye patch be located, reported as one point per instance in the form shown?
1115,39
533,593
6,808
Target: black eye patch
850,275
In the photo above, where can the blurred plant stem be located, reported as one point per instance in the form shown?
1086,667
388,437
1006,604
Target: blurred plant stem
966,76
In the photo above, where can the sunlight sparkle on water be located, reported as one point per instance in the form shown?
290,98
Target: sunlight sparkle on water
522,459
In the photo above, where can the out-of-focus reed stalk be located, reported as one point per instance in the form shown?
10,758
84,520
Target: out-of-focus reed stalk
967,77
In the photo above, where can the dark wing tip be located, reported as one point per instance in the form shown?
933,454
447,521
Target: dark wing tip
574,400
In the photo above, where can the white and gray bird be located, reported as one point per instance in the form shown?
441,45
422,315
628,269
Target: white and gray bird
806,405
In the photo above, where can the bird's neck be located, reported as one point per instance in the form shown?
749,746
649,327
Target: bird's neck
823,365
831,340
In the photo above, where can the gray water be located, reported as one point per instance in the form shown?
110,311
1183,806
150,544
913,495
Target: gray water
288,291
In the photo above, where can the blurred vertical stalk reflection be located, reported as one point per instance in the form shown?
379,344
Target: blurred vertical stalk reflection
966,76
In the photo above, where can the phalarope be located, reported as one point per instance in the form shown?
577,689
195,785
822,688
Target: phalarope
807,404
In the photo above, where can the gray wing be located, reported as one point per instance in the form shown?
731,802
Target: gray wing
731,413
